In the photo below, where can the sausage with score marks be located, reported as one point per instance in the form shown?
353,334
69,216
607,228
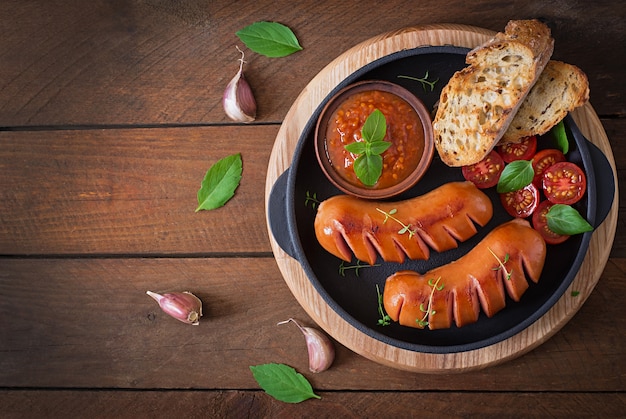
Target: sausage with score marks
345,225
500,263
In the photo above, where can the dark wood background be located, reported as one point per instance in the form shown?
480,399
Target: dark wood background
110,115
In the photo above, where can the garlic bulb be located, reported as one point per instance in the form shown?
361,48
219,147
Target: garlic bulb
321,349
238,100
183,306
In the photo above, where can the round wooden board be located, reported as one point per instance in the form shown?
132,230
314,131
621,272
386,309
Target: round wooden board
280,160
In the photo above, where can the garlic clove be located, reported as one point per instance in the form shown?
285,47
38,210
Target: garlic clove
238,100
320,348
183,306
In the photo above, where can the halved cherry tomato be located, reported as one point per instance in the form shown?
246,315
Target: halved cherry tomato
524,150
564,183
540,223
521,203
486,172
544,159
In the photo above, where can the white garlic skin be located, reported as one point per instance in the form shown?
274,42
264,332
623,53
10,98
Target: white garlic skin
183,306
320,348
238,100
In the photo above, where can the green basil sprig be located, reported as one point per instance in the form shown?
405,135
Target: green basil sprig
515,176
558,131
563,219
283,382
271,39
368,166
220,182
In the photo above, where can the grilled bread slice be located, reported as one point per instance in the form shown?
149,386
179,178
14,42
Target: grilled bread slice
560,89
479,102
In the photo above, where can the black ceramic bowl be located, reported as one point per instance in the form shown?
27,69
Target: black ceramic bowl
352,292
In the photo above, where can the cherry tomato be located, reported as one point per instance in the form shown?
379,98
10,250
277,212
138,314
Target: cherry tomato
564,183
524,150
544,159
540,223
486,172
521,203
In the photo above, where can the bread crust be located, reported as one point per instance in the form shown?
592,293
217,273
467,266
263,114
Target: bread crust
479,102
561,88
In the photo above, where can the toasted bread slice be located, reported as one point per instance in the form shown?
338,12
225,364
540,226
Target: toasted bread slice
560,89
479,102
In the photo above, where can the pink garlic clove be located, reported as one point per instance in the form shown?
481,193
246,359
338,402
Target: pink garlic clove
238,100
320,348
183,306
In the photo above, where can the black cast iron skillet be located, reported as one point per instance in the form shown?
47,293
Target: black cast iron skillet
352,293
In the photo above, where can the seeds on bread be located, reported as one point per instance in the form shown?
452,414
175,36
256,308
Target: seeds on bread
479,102
561,88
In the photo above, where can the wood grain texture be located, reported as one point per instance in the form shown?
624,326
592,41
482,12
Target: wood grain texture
128,191
156,62
256,404
86,323
340,329
133,191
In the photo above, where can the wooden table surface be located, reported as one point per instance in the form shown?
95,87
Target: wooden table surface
110,115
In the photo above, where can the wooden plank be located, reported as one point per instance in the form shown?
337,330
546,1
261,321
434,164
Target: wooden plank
129,191
229,404
154,62
134,190
87,323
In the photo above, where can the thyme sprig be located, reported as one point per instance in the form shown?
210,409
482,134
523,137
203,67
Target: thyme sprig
434,284
311,199
405,228
343,267
501,264
384,320
424,80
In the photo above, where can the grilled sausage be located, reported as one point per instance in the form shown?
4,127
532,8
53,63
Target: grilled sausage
457,290
438,219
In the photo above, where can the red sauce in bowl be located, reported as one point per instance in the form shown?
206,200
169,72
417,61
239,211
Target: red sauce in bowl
404,131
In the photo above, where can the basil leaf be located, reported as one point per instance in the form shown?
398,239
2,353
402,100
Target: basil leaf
563,219
271,39
515,176
369,165
220,182
378,147
357,147
368,168
283,383
558,131
375,127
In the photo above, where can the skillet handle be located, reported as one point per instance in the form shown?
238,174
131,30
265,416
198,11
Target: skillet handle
277,214
605,183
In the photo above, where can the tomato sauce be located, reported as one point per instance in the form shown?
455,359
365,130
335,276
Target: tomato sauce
404,131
